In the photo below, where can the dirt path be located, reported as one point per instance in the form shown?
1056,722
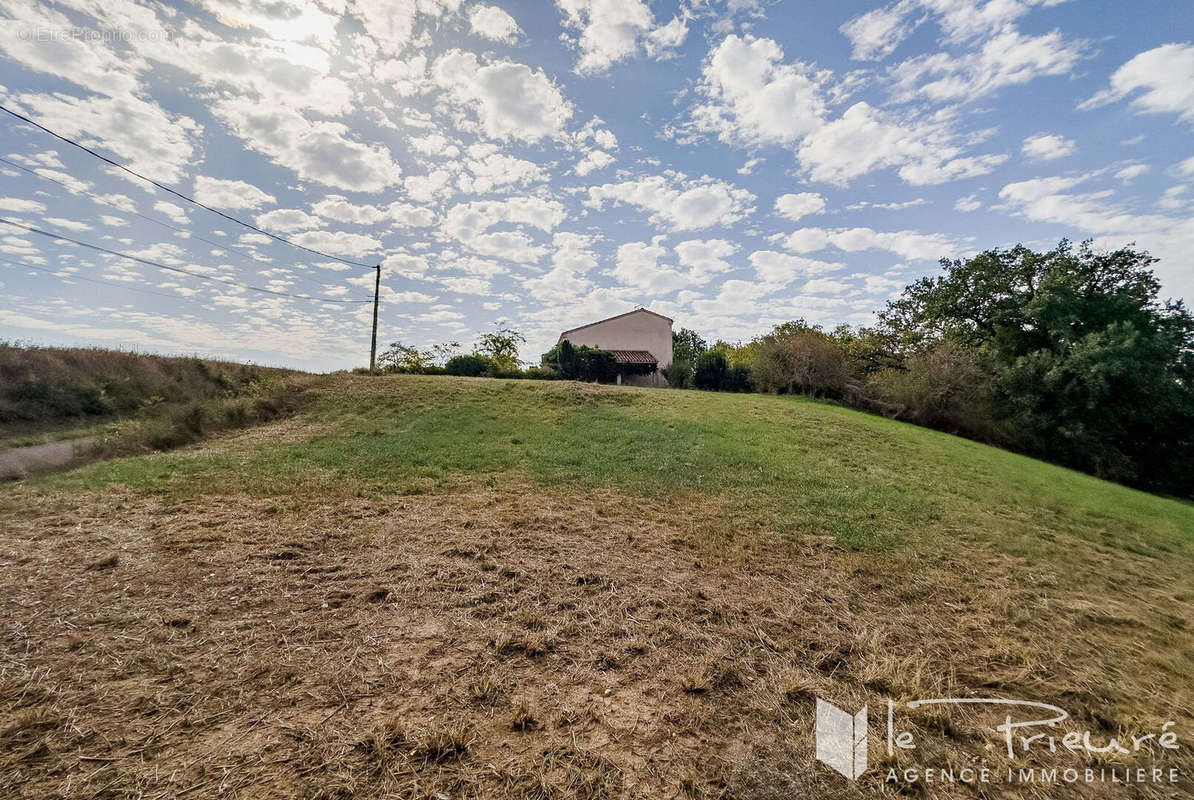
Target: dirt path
15,462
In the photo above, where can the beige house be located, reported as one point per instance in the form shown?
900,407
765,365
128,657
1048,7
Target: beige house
636,337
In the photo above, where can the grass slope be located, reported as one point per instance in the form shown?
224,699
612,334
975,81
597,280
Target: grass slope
424,587
788,463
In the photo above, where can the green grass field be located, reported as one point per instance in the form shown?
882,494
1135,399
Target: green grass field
425,587
789,463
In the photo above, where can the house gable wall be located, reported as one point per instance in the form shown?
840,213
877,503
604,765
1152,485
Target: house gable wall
640,330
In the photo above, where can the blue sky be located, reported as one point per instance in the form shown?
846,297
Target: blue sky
730,163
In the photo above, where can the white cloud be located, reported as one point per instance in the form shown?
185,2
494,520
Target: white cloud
877,33
472,224
907,244
783,268
1164,78
22,205
391,23
510,100
1185,168
692,205
864,140
137,132
316,151
172,210
756,99
593,160
968,203
1131,172
705,258
353,245
492,22
1052,200
637,264
287,220
340,209
230,194
1047,147
615,30
1008,58
801,204
69,224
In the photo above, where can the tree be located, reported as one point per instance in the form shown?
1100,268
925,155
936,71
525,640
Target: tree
800,358
1088,366
404,358
500,346
687,344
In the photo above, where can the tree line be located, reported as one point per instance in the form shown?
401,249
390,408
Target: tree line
1068,355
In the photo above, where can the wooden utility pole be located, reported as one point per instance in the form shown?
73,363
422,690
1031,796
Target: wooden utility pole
376,296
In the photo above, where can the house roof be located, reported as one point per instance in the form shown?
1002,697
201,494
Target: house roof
633,357
616,316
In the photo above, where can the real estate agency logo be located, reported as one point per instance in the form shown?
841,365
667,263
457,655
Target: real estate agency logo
841,744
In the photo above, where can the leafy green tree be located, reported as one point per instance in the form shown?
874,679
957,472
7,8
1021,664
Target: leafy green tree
687,344
1090,368
399,357
500,346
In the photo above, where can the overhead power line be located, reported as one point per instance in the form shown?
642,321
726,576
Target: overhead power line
73,277
245,254
169,268
179,194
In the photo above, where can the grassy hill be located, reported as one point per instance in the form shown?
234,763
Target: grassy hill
470,587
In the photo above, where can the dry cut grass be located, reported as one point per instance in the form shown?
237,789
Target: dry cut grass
522,642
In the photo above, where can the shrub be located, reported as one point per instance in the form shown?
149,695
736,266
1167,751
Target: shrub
800,360
470,366
679,374
709,371
944,387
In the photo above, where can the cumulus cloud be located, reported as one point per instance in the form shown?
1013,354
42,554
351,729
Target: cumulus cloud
1006,59
1047,147
637,264
1160,81
492,22
510,100
615,30
139,132
801,204
593,160
322,151
757,99
230,194
876,34
906,244
391,23
472,224
864,139
775,267
689,205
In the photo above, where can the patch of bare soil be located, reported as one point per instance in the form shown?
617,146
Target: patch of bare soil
536,644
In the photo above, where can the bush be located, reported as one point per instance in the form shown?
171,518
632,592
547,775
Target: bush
51,384
800,360
945,388
709,371
679,374
470,366
582,363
